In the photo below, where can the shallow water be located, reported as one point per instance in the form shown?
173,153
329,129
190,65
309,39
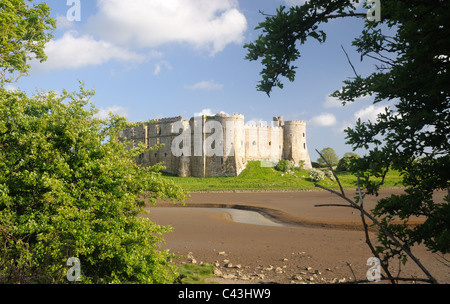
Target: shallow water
248,217
239,215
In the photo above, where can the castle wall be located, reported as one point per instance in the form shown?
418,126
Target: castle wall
295,149
219,145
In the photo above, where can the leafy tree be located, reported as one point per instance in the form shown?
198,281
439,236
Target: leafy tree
410,46
69,189
345,162
68,186
329,155
24,31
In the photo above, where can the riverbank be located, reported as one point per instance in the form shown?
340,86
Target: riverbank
322,245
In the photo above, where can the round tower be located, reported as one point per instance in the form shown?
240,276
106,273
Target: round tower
294,143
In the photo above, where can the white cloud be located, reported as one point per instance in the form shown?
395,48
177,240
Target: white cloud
294,2
160,65
62,22
369,113
205,85
209,112
118,110
204,24
72,51
324,120
332,102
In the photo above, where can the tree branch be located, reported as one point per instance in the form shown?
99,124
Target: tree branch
348,59
375,221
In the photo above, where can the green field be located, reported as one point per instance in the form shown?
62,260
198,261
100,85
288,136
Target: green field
255,177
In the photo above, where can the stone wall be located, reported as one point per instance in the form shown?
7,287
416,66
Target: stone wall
219,145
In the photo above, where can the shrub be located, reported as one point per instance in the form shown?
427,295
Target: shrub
68,188
284,165
345,162
330,175
316,175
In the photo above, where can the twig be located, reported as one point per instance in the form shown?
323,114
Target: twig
351,269
366,233
348,59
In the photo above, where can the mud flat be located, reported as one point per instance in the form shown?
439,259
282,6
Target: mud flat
318,245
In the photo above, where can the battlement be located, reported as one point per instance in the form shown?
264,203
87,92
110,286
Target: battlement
169,119
295,122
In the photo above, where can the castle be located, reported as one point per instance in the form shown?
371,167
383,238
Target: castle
219,145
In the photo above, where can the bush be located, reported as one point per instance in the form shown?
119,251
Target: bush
345,162
68,188
330,175
284,165
316,175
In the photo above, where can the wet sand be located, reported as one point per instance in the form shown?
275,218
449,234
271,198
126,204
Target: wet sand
313,245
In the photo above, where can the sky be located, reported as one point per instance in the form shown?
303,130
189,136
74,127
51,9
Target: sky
151,59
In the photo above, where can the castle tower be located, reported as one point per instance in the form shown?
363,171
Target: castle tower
294,143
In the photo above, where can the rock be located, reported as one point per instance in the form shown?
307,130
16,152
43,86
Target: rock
297,277
222,253
228,265
238,266
284,260
193,261
270,267
278,270
218,273
226,261
229,276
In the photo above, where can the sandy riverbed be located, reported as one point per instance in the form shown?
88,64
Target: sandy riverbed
318,245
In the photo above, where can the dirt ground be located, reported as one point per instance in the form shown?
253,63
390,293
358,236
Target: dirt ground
316,244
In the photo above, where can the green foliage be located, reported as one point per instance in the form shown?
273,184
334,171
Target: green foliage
195,274
329,157
68,188
345,162
24,31
410,46
284,165
329,174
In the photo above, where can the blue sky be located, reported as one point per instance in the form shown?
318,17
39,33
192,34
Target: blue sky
162,58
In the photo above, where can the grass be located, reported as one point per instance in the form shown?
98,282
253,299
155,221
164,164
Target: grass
255,177
195,274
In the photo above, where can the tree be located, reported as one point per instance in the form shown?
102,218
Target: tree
346,161
328,156
412,72
69,189
68,186
24,31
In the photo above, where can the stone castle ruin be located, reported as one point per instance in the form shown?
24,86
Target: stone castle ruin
219,145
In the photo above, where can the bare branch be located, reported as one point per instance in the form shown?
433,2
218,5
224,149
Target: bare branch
348,59
375,221
332,171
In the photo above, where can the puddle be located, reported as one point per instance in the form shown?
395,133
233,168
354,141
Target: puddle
248,217
238,215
